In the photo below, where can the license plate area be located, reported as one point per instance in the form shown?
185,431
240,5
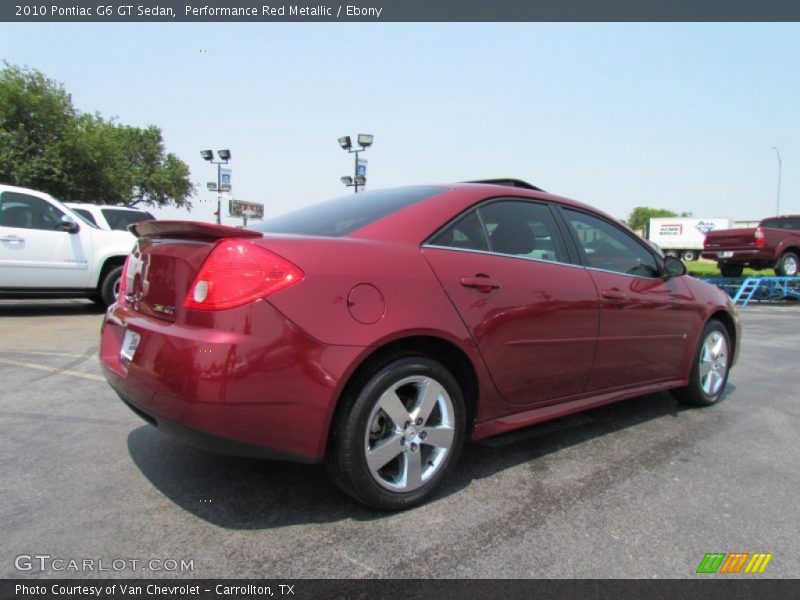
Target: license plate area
129,345
726,254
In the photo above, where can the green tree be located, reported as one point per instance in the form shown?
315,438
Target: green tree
46,144
641,215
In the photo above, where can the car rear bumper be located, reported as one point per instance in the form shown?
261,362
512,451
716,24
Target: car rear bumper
739,256
252,384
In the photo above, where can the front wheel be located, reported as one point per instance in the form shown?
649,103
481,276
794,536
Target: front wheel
396,438
109,286
787,265
710,368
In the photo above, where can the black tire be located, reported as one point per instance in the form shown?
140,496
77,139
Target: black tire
672,253
731,270
787,265
688,255
359,416
696,394
107,290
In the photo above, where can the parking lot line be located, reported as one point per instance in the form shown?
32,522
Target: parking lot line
17,363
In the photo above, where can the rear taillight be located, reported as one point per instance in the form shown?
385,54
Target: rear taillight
123,282
237,272
760,241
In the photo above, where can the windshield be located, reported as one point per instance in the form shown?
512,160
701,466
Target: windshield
342,216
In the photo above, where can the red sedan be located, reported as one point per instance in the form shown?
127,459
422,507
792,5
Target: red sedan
376,332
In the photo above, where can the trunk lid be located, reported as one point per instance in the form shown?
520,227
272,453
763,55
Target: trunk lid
165,261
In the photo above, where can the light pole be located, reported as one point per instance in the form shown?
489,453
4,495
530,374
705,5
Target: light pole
225,156
780,167
364,142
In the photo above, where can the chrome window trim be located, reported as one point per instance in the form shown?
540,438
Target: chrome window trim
539,260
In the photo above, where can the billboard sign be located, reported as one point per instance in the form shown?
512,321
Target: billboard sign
242,208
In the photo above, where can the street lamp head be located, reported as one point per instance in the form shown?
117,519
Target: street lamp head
224,154
360,180
207,154
365,140
347,180
345,143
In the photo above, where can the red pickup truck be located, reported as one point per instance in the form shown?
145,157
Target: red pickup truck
774,244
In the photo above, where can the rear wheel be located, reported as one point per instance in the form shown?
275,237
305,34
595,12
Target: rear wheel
710,369
399,435
729,270
787,265
689,255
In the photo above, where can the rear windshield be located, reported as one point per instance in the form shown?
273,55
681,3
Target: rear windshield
120,219
341,216
790,223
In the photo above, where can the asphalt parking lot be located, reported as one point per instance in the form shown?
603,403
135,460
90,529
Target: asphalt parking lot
643,488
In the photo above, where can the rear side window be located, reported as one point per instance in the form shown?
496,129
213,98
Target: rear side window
86,215
466,233
792,223
120,219
524,229
512,227
342,216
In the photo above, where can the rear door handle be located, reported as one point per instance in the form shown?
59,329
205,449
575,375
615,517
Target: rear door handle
12,239
482,283
613,294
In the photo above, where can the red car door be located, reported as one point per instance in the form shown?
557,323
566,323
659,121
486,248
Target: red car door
645,319
533,315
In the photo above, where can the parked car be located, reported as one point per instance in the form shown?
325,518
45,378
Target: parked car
110,217
378,331
47,250
774,244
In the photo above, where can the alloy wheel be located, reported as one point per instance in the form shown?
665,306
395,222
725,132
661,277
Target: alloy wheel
713,363
409,434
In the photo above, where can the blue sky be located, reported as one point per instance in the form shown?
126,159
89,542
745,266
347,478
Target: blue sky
679,116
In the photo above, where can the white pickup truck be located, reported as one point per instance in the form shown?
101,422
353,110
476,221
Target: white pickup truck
48,251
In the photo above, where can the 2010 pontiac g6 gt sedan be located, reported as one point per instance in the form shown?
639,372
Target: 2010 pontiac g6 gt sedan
375,333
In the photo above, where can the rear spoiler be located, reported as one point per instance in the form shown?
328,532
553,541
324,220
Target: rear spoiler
509,182
188,229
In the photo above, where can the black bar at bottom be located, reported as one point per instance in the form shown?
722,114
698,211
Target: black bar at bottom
703,587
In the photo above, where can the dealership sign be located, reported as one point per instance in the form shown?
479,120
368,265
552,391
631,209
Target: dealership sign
241,208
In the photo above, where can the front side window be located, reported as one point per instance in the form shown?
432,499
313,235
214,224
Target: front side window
608,247
29,212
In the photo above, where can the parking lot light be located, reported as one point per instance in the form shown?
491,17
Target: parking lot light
225,156
359,179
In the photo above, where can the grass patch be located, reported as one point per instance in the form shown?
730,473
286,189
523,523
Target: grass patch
703,268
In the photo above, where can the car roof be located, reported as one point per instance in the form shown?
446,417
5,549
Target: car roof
92,205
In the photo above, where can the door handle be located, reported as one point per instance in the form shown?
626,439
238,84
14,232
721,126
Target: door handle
12,239
613,294
482,283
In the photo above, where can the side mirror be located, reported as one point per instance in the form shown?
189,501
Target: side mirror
674,267
68,226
